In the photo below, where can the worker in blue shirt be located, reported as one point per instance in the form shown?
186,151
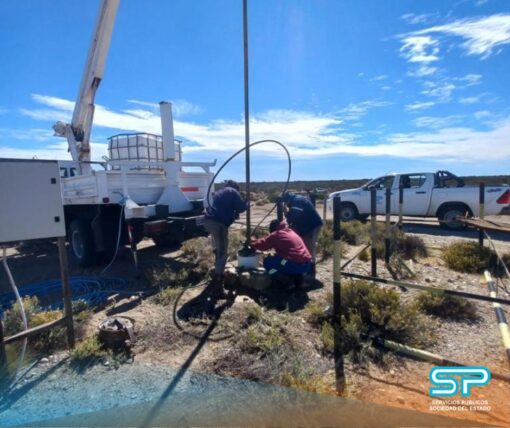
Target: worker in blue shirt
226,206
305,220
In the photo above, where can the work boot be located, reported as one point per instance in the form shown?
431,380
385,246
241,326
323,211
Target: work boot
215,287
310,275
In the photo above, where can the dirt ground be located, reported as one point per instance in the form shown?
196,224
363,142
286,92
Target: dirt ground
403,383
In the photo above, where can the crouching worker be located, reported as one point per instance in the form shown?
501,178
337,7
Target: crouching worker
227,204
305,220
292,258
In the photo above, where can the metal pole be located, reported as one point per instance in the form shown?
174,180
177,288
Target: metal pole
400,205
387,242
247,119
373,230
337,317
482,212
66,291
324,208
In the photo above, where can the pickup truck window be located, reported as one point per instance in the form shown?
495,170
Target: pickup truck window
412,181
447,179
381,183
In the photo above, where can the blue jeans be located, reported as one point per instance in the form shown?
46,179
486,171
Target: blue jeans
274,264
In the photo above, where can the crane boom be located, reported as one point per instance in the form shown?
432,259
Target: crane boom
78,132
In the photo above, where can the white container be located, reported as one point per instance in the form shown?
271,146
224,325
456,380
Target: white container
248,262
136,147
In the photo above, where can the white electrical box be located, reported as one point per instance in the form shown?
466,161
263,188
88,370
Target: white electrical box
30,200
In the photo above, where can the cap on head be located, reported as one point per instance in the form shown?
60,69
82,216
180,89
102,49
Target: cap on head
233,184
274,225
287,197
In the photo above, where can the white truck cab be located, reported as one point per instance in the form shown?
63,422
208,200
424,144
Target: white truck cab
426,194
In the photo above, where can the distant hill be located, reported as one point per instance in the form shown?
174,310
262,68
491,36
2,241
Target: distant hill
333,185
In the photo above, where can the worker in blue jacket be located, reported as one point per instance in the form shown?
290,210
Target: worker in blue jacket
305,220
226,206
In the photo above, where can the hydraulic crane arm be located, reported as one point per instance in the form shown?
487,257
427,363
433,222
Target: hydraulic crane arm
78,132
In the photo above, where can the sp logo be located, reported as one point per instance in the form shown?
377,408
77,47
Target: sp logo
448,381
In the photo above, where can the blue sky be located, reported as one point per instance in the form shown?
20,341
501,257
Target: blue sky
353,88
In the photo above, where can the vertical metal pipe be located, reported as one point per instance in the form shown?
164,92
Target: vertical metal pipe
481,213
373,230
325,208
400,205
387,242
247,119
337,318
66,291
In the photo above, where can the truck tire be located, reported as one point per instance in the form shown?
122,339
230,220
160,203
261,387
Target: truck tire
449,212
81,239
348,211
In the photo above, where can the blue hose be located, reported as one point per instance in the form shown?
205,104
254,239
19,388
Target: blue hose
91,290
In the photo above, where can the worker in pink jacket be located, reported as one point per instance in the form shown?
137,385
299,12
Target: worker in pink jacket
292,257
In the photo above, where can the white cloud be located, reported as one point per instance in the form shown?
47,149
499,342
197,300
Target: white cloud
421,49
355,111
437,122
481,35
440,90
414,19
379,78
423,70
481,114
306,135
419,105
469,100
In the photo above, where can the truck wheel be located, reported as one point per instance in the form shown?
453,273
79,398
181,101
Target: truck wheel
449,214
81,239
165,241
348,212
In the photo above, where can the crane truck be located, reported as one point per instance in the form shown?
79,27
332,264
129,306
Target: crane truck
141,189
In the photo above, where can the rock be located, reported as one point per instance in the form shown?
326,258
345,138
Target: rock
106,363
45,360
428,280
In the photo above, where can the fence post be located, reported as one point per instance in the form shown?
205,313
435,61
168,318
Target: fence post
324,207
387,242
337,317
400,205
373,230
482,212
66,291
279,210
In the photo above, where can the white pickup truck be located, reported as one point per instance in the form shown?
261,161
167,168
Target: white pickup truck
426,194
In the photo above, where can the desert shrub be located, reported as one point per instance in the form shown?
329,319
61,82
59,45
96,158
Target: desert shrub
325,243
368,310
36,315
446,306
315,312
199,253
166,296
355,233
266,335
300,378
468,257
89,348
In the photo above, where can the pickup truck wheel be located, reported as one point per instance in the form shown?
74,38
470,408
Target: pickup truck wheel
81,239
448,216
348,212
